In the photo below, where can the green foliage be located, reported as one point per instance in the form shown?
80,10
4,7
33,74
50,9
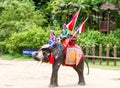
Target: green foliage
63,10
31,39
22,26
2,47
40,4
96,38
117,35
89,37
18,16
35,38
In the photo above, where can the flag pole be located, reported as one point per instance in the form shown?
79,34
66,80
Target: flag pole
72,23
77,30
77,18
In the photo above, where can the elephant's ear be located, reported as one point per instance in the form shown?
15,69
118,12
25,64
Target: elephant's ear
46,46
59,50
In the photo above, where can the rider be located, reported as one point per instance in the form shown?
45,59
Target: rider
65,35
52,39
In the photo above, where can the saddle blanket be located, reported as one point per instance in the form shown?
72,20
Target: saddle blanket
73,55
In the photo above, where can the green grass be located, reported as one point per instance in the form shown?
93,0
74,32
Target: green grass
16,57
104,65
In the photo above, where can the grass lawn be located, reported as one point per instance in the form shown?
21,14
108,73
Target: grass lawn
17,57
104,65
96,65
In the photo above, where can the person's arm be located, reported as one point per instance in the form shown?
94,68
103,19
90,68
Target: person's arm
54,38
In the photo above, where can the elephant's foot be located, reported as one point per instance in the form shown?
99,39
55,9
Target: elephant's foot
53,85
81,83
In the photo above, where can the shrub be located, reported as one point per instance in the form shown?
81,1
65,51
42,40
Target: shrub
97,38
91,38
35,38
18,16
31,39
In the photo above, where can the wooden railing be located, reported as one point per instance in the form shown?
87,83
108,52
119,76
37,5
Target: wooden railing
100,57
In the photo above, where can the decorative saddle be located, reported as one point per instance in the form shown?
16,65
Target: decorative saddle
74,53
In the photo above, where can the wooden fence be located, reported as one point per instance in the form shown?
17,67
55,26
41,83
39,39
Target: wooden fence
100,57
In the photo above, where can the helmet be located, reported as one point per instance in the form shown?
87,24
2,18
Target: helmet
64,26
51,31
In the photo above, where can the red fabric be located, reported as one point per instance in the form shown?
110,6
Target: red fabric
73,40
52,59
73,46
81,28
72,23
65,42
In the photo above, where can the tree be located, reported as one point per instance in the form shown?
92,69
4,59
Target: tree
40,3
18,16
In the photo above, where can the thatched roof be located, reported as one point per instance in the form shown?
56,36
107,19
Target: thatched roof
108,6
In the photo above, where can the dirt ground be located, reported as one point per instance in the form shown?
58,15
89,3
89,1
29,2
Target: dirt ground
30,74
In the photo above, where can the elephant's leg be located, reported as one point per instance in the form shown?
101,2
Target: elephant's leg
79,69
54,76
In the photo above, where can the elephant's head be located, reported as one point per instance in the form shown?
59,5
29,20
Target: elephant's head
43,54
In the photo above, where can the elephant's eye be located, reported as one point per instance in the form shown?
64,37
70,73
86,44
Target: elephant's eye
44,53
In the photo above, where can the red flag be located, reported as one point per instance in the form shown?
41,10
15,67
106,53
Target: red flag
82,26
72,23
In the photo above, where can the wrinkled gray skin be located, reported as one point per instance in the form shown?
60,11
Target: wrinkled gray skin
58,51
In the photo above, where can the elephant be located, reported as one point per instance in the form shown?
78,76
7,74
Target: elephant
58,51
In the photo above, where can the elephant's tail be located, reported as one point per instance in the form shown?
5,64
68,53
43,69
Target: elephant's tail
87,65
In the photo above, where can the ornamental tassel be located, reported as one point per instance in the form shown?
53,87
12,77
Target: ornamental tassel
52,59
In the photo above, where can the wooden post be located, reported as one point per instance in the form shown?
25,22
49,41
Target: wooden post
107,53
93,53
115,54
108,21
100,53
